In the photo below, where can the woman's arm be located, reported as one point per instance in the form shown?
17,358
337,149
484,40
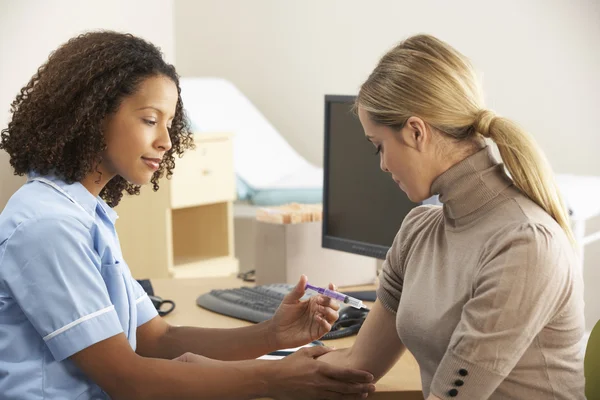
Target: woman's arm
526,279
123,374
377,347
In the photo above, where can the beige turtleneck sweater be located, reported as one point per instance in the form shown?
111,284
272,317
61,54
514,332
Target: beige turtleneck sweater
487,291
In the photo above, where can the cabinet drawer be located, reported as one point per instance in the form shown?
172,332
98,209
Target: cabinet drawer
204,175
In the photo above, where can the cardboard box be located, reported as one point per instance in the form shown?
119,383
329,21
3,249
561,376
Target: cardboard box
284,251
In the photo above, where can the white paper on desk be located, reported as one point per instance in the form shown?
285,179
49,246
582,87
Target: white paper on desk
290,350
268,357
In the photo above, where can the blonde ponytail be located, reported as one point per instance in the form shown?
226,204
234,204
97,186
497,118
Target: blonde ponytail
425,77
526,164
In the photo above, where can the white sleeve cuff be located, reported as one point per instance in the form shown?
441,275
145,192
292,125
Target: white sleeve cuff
84,332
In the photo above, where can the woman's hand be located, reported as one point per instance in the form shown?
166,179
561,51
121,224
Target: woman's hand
297,323
301,376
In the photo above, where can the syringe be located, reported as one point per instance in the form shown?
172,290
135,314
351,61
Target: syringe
336,295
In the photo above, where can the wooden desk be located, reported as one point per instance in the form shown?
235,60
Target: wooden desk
403,382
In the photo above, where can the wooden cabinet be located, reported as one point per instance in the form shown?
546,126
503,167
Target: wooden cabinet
186,228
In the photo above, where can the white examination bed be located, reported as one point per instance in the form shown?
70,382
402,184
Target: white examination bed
268,170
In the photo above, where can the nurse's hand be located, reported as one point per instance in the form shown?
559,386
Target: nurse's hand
301,376
297,323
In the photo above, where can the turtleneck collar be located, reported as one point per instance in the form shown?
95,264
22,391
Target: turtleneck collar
470,184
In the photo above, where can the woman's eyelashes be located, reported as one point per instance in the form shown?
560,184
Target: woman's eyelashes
378,150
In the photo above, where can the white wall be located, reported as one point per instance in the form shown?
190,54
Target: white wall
31,29
539,59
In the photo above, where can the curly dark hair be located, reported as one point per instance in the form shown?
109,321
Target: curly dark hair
56,124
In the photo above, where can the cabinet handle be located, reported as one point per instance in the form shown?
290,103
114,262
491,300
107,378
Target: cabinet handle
206,172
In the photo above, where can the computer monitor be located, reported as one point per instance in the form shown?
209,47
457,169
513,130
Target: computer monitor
363,207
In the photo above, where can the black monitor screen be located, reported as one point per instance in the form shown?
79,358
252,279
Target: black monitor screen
363,207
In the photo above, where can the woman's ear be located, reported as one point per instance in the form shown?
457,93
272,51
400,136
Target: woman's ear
417,134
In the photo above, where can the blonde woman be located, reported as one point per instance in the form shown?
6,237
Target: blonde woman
484,291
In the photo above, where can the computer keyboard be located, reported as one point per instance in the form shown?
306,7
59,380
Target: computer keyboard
254,304
259,303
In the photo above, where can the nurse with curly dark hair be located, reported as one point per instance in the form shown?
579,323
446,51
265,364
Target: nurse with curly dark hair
103,116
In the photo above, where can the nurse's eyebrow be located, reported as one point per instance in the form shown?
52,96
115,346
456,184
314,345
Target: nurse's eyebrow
150,107
369,138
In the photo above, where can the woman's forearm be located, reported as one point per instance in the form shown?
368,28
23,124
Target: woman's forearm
377,347
220,344
378,363
339,357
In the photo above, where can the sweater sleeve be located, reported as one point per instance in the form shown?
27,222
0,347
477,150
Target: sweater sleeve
522,281
391,278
